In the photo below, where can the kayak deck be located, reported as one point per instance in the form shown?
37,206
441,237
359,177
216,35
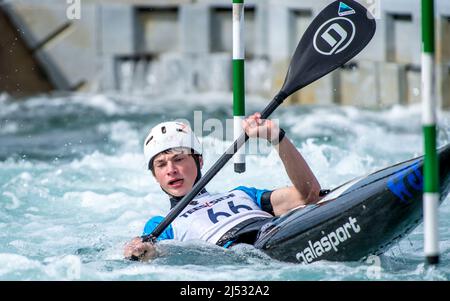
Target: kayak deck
362,217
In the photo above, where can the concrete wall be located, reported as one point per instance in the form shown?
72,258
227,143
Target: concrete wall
66,49
184,46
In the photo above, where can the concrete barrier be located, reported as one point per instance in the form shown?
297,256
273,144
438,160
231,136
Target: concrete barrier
137,45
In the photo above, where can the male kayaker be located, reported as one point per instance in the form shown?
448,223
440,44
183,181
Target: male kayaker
174,156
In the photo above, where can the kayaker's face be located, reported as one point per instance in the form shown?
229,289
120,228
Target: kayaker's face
175,172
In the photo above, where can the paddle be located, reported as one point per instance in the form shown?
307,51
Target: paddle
337,34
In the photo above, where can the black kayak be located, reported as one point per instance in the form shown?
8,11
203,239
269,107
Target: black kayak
362,217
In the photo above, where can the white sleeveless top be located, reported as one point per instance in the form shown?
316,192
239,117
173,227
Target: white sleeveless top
209,216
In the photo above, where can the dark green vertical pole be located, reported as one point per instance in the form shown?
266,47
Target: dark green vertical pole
431,164
238,79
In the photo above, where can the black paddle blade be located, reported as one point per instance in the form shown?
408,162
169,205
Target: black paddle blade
337,34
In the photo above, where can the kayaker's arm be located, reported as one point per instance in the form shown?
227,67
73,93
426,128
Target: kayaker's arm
306,188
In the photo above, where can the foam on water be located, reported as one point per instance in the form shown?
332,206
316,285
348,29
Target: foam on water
74,187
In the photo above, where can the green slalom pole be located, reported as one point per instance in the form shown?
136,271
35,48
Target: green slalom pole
431,164
238,80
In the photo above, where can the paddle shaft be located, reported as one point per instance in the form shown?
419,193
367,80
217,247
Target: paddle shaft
271,107
314,57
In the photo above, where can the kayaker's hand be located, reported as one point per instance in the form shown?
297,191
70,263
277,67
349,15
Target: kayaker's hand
255,127
138,250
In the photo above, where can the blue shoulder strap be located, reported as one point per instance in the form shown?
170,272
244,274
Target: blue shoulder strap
253,193
153,223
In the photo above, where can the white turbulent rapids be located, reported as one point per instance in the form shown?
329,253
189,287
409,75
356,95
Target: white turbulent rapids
74,187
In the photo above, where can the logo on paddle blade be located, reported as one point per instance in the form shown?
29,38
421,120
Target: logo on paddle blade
334,36
345,10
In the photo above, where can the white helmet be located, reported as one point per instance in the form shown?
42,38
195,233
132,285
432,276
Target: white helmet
167,135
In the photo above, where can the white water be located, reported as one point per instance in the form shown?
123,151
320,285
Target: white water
74,187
